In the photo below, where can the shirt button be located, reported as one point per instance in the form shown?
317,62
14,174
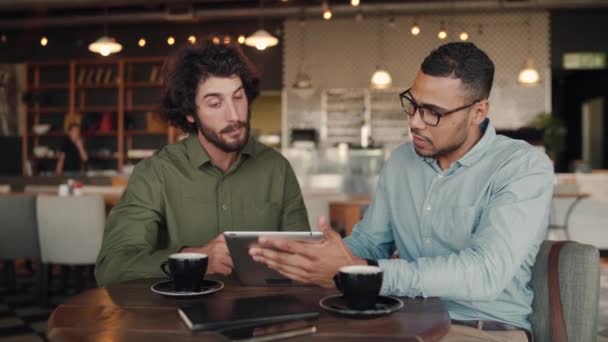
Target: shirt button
428,208
440,175
224,207
427,241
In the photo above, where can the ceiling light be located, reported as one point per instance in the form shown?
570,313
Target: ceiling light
415,29
215,40
192,39
227,39
355,3
170,40
442,34
241,39
3,38
261,39
463,36
326,11
141,42
44,41
528,76
381,79
302,84
105,45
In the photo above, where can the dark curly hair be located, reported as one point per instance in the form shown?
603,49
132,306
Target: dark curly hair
193,64
466,62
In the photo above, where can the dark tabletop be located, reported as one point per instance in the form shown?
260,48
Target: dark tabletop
131,312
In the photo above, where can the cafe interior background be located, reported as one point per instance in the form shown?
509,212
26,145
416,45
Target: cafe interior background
329,96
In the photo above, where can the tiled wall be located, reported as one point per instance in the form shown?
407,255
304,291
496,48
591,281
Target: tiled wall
343,53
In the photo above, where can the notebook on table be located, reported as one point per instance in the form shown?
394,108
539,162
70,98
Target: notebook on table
221,313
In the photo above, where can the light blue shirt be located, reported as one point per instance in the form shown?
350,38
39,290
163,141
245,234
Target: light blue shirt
468,234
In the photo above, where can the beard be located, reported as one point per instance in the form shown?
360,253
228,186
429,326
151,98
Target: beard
445,150
217,139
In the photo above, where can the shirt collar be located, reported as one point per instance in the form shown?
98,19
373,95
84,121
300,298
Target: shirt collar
480,148
475,153
198,156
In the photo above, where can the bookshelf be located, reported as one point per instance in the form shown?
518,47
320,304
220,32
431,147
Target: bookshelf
115,100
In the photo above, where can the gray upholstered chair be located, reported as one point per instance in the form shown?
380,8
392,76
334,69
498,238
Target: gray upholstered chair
70,230
579,284
18,232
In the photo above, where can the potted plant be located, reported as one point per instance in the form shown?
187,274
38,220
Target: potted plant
554,133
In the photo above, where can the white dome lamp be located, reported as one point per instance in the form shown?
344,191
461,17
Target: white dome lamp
261,39
302,84
381,78
105,45
528,76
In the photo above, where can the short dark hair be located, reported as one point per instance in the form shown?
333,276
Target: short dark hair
466,62
193,64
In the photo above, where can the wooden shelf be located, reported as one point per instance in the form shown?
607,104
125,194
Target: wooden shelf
49,134
59,109
63,86
143,84
142,108
43,158
96,85
100,134
98,109
142,132
102,157
123,89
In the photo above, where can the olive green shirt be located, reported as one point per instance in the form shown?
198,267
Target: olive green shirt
179,198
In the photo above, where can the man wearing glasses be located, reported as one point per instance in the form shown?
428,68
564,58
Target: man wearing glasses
466,209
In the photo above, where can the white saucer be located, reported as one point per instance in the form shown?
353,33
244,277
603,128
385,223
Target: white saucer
165,288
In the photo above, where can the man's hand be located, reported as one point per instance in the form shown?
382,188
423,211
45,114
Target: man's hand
220,261
309,263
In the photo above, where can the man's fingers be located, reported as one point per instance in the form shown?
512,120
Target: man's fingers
289,246
288,271
218,268
286,259
327,230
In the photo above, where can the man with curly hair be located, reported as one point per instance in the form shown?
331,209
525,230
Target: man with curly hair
217,179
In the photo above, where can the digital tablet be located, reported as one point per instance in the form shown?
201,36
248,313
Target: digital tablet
252,273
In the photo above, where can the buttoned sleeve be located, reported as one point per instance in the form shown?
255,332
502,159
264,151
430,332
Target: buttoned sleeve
512,224
129,248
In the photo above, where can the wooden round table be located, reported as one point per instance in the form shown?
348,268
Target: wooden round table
131,312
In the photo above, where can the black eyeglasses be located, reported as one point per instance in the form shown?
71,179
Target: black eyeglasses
429,115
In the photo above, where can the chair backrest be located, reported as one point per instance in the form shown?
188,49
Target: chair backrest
70,228
40,189
579,284
18,227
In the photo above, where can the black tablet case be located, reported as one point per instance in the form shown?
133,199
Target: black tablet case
220,313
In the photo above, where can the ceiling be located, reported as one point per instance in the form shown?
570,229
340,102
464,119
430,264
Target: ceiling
23,14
